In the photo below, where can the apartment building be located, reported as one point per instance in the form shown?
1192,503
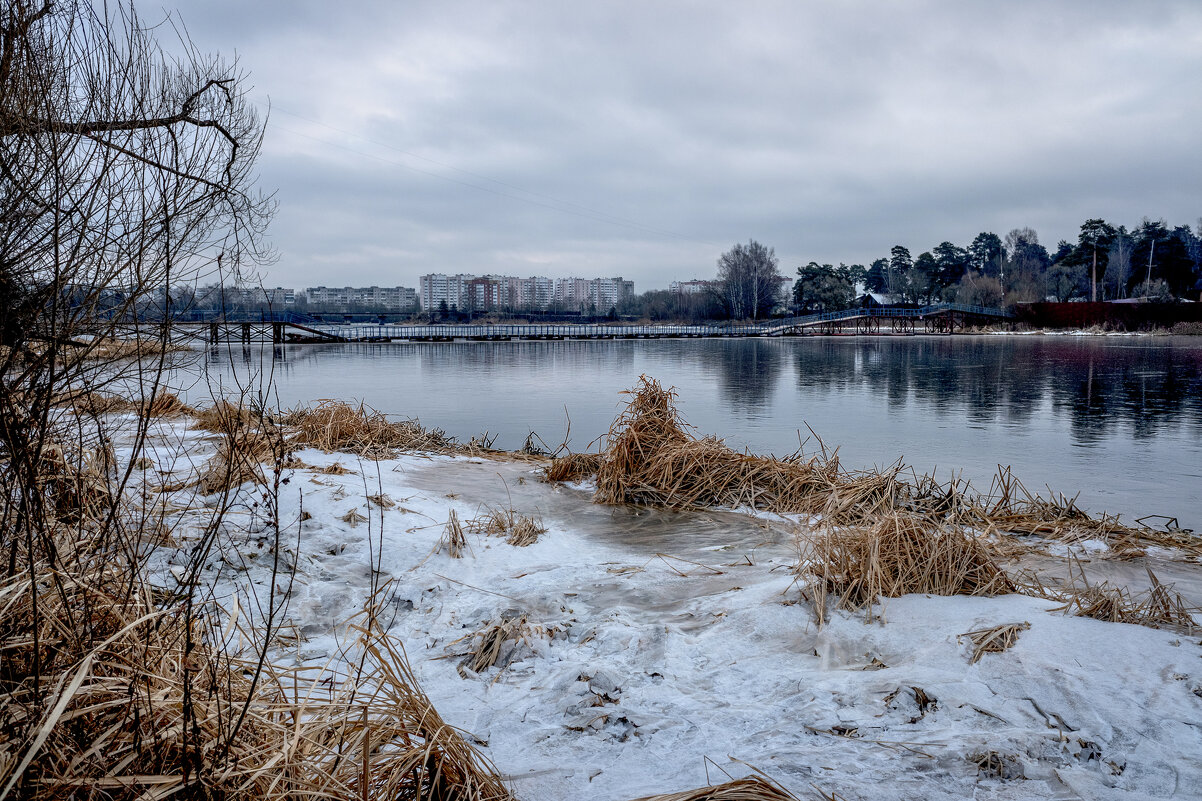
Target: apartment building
486,292
217,296
436,289
382,298
695,287
598,293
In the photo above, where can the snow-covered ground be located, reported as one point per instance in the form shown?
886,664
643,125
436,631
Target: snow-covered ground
665,650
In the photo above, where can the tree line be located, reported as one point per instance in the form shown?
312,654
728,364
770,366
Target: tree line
1106,262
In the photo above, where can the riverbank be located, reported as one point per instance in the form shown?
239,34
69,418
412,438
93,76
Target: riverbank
626,650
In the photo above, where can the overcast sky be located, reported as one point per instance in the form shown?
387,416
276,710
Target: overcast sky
642,139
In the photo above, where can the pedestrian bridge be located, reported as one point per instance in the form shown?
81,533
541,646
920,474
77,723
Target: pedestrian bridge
941,318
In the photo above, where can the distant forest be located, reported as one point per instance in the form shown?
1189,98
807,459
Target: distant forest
1150,261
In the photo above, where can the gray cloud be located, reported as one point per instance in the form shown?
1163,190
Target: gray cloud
644,139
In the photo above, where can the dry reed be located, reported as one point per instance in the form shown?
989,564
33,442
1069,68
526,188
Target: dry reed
156,709
166,404
651,459
240,458
354,517
752,788
525,531
224,416
1157,606
992,765
899,555
518,530
453,539
573,467
995,639
78,486
488,644
337,426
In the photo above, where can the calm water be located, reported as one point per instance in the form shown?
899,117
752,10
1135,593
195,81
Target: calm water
1118,419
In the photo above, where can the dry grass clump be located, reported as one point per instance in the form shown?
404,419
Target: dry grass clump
93,402
525,531
374,735
138,700
166,404
518,530
129,348
752,788
651,459
240,458
899,555
1157,606
995,639
224,416
78,486
337,426
488,645
110,349
573,467
354,517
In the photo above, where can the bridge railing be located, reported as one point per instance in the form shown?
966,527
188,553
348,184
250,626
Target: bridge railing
365,331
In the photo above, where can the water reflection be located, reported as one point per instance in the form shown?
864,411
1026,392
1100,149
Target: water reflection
748,370
1119,418
1098,387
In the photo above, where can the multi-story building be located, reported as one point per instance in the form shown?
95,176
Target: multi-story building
483,293
218,296
601,294
436,289
382,298
695,287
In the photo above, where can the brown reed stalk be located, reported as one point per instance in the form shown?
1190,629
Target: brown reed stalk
995,639
453,539
752,788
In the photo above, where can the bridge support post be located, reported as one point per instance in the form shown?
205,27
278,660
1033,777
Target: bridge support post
214,334
246,332
277,333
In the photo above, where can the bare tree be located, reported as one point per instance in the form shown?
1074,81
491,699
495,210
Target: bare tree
123,168
749,280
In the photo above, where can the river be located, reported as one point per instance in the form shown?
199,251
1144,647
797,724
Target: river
1116,419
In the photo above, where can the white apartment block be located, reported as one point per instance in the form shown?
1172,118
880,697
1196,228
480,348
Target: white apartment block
435,289
695,287
599,293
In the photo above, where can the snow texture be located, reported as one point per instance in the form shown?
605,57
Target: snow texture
667,650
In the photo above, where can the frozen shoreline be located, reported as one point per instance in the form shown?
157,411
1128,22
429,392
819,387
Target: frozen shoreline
638,671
